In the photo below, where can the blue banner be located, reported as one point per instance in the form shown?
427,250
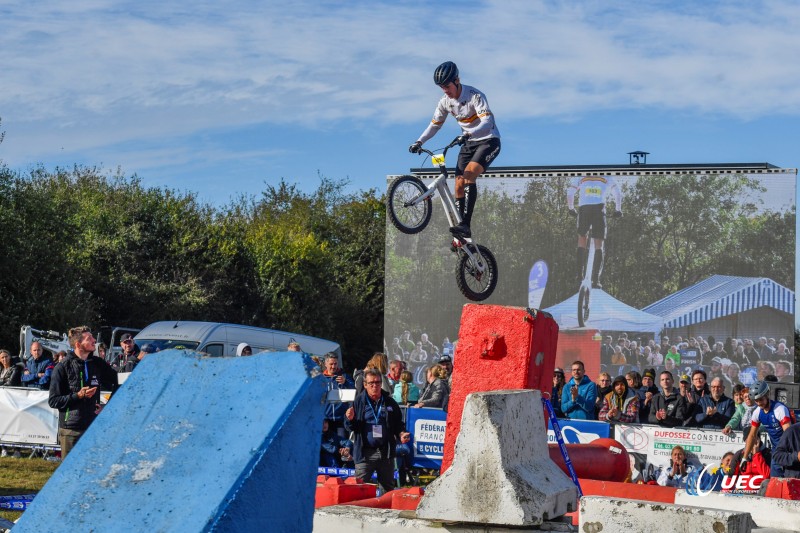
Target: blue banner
427,426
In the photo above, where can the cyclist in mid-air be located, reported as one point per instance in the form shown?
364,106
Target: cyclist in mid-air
592,193
469,106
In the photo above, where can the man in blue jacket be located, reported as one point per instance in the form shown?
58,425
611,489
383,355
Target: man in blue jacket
714,410
35,374
579,395
335,378
787,453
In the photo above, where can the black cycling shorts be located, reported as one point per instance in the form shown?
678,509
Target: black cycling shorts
592,217
481,152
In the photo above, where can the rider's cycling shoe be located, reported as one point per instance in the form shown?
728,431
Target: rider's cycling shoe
462,230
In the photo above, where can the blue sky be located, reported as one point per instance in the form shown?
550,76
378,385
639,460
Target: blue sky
221,97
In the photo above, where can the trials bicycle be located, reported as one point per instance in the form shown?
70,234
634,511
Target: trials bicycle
410,209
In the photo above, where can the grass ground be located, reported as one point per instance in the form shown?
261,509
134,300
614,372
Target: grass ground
23,476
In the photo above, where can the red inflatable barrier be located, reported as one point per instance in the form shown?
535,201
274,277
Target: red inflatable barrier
783,488
601,459
405,499
335,490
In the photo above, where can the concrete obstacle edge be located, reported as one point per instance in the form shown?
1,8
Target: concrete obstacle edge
598,514
765,512
349,519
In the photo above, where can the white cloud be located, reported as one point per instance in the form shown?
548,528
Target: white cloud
87,74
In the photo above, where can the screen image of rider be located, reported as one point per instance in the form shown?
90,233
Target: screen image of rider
592,192
480,137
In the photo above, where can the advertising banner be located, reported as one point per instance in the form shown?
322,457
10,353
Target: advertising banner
650,447
579,431
427,427
26,418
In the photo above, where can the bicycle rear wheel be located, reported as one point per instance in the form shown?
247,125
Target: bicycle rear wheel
409,219
476,285
583,306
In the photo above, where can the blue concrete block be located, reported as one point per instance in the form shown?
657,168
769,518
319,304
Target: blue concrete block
192,443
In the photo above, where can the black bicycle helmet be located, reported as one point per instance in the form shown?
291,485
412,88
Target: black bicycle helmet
759,389
445,73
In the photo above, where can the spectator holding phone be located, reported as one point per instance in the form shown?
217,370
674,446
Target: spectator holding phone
74,387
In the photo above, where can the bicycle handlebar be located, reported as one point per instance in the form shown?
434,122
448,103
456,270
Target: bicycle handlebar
457,140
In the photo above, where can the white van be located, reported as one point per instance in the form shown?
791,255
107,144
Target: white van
220,340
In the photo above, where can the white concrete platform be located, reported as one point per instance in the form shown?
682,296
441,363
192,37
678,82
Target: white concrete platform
351,519
635,516
502,473
766,512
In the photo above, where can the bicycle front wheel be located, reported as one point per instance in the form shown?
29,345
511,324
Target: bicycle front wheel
583,306
474,284
408,218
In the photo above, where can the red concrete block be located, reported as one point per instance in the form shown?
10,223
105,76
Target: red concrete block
499,348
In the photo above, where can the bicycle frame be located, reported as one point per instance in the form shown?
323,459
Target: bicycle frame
448,202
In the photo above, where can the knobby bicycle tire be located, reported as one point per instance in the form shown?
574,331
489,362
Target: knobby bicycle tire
468,277
408,219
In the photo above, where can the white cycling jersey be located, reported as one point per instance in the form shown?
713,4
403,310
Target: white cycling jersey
471,110
593,190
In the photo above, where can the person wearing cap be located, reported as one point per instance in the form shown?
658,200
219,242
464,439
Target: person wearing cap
773,415
646,393
716,369
668,408
684,384
132,362
558,388
130,351
621,404
447,362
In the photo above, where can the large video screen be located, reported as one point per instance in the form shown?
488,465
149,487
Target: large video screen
699,264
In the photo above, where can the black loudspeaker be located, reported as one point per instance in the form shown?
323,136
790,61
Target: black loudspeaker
786,393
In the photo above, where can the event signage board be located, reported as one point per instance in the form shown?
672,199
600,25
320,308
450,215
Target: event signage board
650,447
427,427
579,431
26,417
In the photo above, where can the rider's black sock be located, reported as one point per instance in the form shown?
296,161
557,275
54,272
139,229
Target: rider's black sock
580,261
597,267
470,196
460,207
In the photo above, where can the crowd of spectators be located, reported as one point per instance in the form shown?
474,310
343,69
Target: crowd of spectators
734,360
423,351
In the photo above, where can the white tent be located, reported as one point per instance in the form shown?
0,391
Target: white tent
606,314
